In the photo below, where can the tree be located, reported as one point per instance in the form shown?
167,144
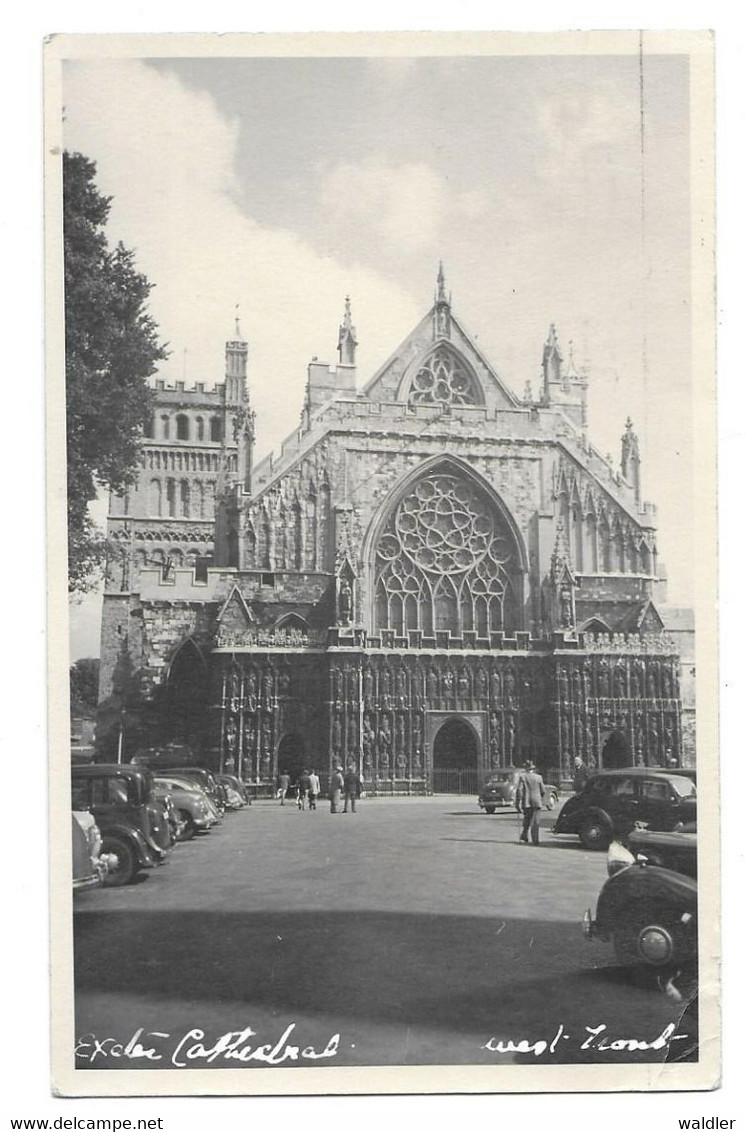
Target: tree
111,348
84,683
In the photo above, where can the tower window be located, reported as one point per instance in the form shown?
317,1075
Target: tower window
182,427
165,427
216,428
200,428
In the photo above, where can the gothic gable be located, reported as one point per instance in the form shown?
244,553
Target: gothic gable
439,363
235,616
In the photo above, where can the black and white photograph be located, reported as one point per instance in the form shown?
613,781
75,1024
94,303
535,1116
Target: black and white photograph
380,383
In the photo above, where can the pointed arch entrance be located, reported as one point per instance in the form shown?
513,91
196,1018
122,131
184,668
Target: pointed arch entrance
455,757
291,755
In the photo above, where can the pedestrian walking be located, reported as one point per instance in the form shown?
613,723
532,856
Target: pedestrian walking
283,785
581,774
304,786
352,786
336,784
530,798
314,789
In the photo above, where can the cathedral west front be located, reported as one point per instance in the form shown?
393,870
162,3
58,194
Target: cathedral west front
433,578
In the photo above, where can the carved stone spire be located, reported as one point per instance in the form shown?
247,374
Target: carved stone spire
631,457
442,308
347,342
236,359
551,361
562,584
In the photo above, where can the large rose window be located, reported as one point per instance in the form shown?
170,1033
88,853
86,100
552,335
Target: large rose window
443,379
445,561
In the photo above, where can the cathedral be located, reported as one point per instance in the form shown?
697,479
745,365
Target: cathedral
432,578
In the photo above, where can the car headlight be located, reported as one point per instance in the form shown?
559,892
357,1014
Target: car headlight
618,858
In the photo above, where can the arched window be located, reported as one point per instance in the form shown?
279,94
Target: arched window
155,497
216,428
165,427
182,427
446,560
200,423
444,379
149,427
184,498
171,497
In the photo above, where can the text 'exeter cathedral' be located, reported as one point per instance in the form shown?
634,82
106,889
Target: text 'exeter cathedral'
432,578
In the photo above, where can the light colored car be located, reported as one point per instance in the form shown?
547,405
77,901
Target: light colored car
90,865
193,807
500,790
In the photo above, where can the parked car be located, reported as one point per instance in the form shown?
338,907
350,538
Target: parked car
500,790
234,797
90,865
613,800
195,811
176,823
120,798
675,850
241,786
649,913
203,777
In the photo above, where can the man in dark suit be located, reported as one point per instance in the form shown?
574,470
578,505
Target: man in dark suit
352,788
530,799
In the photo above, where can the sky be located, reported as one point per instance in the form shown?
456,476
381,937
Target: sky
554,188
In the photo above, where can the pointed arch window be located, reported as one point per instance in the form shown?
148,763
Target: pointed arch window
444,379
446,560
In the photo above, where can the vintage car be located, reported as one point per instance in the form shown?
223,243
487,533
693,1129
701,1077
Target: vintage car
239,785
500,790
195,811
90,865
204,778
675,849
236,796
175,822
647,912
613,800
120,798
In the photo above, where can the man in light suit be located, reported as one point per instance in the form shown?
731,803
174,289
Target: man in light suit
530,799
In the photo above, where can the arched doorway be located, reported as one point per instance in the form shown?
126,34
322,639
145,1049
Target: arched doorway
186,707
291,756
455,759
616,752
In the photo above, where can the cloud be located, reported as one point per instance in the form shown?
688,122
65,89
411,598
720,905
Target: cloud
167,154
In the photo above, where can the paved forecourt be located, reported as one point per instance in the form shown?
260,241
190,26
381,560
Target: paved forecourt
419,930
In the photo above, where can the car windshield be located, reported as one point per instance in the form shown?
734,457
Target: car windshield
684,787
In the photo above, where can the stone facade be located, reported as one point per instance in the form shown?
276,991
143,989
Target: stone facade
431,571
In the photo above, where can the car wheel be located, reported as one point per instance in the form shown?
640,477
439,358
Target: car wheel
490,809
657,943
552,800
126,866
595,834
189,829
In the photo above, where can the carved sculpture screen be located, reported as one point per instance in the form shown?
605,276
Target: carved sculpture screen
444,562
443,379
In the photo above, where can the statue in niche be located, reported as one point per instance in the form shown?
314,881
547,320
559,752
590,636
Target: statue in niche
251,687
335,685
352,733
368,687
368,764
653,740
432,686
634,679
417,763
230,735
510,738
283,682
401,765
383,762
651,685
496,688
269,685
563,687
480,684
463,683
588,739
384,684
603,677
448,683
667,681
577,689
369,735
586,676
416,731
620,680
494,752
384,735
337,734
265,764
400,732
345,602
565,604
670,742
510,687
233,688
401,686
564,738
266,734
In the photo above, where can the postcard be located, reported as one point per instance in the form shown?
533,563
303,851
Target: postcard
381,369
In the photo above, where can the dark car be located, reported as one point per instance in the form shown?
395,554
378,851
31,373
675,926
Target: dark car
649,913
202,776
193,807
500,790
675,850
613,800
131,821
